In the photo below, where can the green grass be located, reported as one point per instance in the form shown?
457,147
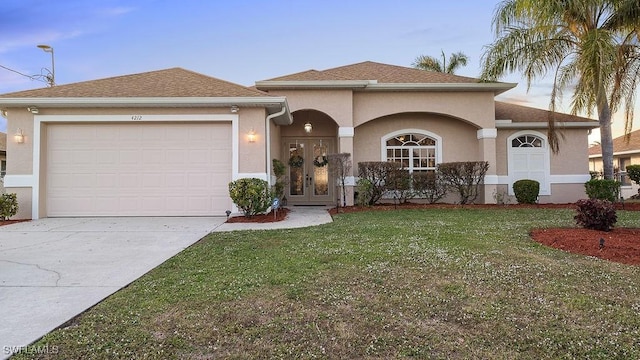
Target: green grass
429,284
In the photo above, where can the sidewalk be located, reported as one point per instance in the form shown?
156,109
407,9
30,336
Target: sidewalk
299,216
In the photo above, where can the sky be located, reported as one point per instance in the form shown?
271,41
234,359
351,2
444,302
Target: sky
242,41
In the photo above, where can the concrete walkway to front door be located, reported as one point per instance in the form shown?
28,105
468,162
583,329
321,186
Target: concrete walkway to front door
53,269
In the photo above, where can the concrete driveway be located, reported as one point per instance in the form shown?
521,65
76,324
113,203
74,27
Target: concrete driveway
54,269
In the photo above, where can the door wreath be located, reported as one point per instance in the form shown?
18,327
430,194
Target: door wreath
296,161
320,161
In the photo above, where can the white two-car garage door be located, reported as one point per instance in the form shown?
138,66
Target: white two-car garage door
141,169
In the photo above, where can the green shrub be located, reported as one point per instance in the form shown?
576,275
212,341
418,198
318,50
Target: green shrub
251,195
464,177
8,205
603,189
378,173
596,214
427,185
363,192
633,171
399,183
526,191
279,170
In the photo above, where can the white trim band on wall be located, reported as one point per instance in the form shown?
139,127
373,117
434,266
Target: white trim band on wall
346,131
490,133
18,181
261,176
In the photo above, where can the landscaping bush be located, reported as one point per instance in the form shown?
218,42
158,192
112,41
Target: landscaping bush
603,189
464,177
363,192
279,170
526,191
251,195
596,214
377,173
633,171
8,205
399,183
427,185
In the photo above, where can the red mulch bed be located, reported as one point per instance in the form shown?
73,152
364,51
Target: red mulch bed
620,245
9,222
281,214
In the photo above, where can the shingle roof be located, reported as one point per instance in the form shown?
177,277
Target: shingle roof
620,144
519,113
383,73
174,82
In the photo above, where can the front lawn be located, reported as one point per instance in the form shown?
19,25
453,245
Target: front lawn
435,284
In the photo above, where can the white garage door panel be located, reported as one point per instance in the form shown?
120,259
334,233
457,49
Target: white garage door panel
138,169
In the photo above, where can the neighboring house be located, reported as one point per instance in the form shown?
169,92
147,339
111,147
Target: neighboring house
626,151
3,159
166,143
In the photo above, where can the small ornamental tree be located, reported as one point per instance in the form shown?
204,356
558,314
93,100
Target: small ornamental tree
340,165
251,195
399,183
464,177
279,170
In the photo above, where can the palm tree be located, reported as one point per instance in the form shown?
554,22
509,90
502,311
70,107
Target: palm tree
431,63
590,45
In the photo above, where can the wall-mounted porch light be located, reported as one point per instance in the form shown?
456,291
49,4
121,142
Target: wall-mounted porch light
234,109
32,109
251,136
4,113
308,128
19,136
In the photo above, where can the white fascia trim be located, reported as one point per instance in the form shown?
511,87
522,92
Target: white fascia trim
543,125
346,131
18,181
261,176
629,152
497,88
487,133
130,118
314,84
146,101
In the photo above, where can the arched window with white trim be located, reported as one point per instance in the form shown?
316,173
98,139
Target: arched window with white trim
528,156
415,150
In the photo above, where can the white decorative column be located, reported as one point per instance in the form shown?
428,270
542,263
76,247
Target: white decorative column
345,145
487,150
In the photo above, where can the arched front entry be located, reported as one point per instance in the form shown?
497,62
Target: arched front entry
306,145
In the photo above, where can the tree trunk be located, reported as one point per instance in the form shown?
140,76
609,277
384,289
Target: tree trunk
606,137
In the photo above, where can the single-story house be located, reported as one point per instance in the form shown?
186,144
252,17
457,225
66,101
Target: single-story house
3,154
626,151
168,142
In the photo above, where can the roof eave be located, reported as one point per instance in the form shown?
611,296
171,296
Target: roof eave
373,85
260,101
272,104
508,124
315,84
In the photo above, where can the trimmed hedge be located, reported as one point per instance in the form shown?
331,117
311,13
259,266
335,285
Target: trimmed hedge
604,189
251,195
526,191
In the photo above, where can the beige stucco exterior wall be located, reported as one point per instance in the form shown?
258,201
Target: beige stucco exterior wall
459,139
475,108
337,104
251,156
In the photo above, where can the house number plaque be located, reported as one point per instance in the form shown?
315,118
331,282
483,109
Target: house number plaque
136,117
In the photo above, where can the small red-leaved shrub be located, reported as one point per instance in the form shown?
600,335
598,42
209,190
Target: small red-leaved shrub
596,214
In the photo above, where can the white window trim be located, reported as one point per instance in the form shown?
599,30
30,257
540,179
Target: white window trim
437,138
545,189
